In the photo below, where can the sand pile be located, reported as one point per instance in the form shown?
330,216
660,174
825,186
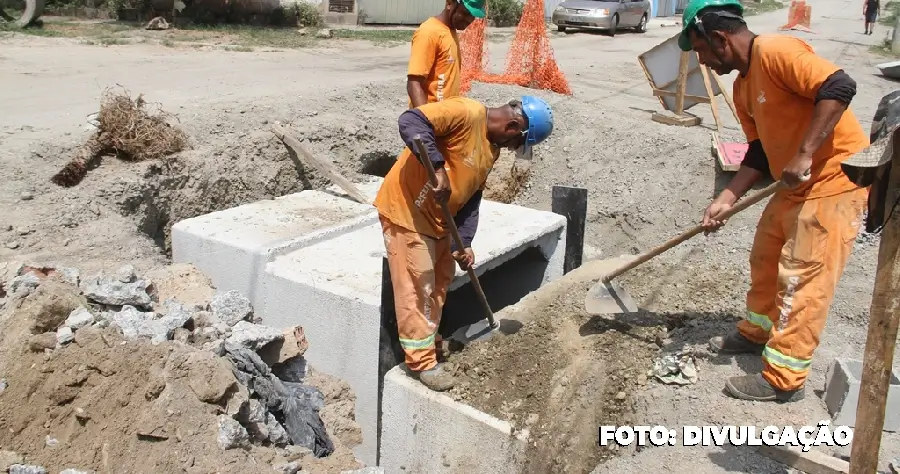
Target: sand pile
113,373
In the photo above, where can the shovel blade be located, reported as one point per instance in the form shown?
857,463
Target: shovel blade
608,298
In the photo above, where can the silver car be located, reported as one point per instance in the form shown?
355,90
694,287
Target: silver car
609,15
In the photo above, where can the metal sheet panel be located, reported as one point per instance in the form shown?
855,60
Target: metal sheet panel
399,12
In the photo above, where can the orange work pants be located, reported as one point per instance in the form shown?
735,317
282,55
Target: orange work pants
799,253
422,269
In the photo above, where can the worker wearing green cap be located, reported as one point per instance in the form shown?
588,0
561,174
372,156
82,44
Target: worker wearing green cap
434,63
794,110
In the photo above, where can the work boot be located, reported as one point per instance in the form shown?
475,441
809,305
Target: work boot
735,343
438,378
756,388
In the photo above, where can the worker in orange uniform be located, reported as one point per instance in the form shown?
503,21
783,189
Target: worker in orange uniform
434,63
794,109
463,139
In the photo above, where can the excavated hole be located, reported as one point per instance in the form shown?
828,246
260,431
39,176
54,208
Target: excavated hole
376,163
186,187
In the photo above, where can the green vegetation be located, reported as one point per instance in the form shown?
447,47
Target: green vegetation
755,8
889,12
502,13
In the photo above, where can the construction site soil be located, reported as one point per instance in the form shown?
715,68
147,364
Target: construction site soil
562,374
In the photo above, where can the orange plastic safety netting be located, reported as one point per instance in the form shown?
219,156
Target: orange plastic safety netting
798,16
529,63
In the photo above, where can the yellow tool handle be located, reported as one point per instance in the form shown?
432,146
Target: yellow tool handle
432,176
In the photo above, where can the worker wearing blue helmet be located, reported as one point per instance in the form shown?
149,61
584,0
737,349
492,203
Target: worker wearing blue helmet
463,138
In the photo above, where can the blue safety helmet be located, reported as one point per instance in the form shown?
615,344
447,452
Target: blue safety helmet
540,121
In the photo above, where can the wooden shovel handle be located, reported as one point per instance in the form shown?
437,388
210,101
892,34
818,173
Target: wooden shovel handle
454,231
740,206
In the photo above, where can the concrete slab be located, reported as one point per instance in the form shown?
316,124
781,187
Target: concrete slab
333,288
842,383
425,431
233,246
316,259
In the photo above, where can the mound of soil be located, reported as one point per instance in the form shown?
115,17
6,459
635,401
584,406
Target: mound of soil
563,374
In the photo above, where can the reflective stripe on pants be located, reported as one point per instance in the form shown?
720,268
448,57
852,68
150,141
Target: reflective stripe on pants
422,269
799,253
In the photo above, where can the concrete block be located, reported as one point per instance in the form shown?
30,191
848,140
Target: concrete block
333,288
842,384
315,259
233,246
425,431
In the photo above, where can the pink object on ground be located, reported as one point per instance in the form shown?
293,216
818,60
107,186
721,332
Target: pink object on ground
732,153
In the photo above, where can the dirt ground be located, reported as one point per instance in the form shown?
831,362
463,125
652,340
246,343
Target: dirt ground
646,182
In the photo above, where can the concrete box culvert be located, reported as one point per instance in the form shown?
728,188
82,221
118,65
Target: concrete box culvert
317,260
842,384
33,10
428,432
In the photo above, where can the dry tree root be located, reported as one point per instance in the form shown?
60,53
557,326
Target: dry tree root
77,169
127,129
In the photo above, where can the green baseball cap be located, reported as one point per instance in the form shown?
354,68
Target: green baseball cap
475,7
689,17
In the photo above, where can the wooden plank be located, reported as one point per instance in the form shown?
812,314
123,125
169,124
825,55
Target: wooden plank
680,120
878,356
662,93
727,96
712,97
571,203
327,169
811,462
682,83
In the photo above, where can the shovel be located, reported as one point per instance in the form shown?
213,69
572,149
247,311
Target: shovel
607,297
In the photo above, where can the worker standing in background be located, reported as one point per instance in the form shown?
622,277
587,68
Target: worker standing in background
434,63
793,108
463,139
871,10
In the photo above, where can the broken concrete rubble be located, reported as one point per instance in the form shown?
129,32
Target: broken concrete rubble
253,336
230,307
288,468
79,318
231,434
113,292
259,408
26,469
23,285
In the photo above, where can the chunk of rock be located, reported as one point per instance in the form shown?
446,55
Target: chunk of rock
65,335
49,306
253,417
292,345
230,307
211,379
39,342
113,292
134,323
253,336
287,468
9,458
277,435
125,274
24,285
231,433
79,318
27,469
64,274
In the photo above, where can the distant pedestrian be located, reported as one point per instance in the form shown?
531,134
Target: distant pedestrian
871,10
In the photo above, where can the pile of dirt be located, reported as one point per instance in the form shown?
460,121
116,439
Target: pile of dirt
560,376
111,373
